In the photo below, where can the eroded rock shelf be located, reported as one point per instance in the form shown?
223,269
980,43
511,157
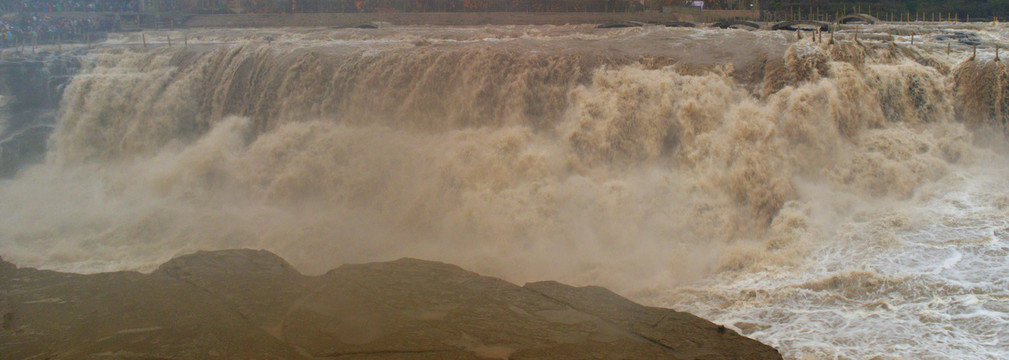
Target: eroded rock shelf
245,304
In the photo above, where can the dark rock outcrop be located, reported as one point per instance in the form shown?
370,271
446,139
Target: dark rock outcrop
30,91
244,304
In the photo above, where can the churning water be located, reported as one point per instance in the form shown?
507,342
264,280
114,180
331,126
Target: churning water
843,200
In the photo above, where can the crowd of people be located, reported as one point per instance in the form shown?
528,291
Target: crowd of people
352,6
41,29
52,6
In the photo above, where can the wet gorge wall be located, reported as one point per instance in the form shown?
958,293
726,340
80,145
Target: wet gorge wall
31,88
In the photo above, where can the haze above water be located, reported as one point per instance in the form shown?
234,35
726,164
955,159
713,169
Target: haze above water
834,201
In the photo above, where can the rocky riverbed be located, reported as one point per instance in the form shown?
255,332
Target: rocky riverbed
246,304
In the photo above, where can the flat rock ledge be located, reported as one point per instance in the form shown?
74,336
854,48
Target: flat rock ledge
246,304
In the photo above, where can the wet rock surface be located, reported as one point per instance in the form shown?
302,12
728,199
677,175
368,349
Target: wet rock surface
30,89
253,305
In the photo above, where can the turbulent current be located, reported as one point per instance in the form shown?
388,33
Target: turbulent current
835,200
